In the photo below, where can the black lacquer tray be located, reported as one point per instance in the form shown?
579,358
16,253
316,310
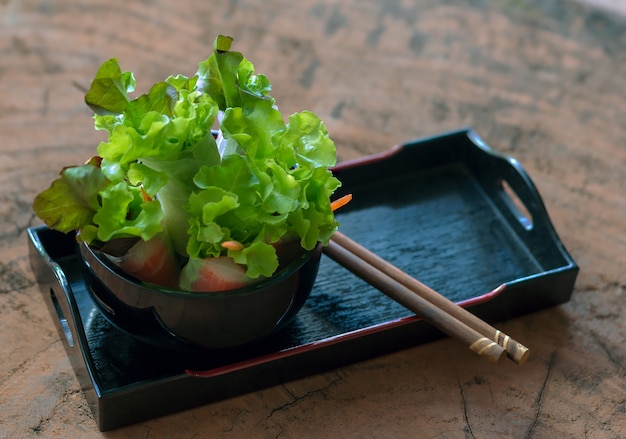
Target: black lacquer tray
446,209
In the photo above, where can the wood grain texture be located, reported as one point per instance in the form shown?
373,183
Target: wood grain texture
542,81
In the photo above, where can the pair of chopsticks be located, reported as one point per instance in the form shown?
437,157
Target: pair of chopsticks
432,307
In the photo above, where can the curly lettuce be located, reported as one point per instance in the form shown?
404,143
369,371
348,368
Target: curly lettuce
201,161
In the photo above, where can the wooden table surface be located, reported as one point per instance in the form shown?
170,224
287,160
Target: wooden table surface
544,82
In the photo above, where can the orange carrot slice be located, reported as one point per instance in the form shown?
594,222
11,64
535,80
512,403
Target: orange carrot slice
232,245
340,202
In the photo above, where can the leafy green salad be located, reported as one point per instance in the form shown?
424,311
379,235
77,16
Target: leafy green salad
205,166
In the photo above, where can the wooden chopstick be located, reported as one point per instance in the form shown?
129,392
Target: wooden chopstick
426,310
431,306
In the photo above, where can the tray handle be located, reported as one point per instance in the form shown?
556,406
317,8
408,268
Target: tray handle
512,190
55,288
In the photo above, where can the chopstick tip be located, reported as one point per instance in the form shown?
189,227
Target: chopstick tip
489,349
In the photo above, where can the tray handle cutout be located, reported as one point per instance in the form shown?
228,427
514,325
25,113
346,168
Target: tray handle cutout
516,205
65,326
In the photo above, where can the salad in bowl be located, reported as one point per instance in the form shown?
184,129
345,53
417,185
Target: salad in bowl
201,190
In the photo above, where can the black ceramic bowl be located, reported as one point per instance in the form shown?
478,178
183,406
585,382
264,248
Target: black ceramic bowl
178,319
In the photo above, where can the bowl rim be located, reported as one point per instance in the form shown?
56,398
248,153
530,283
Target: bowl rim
287,271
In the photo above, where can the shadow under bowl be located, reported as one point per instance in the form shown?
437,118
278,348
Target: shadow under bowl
183,320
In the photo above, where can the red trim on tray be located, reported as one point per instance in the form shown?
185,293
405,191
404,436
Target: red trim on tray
300,349
366,160
484,298
331,340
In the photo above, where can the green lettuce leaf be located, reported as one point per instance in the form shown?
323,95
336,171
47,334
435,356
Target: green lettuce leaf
124,213
109,90
71,200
